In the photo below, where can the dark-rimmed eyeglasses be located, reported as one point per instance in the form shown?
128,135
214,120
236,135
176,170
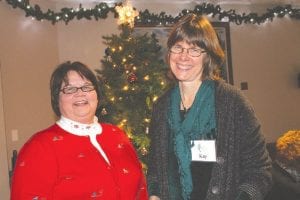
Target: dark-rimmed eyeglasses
71,90
194,52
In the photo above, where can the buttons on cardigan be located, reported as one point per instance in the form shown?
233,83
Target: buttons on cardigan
220,160
215,190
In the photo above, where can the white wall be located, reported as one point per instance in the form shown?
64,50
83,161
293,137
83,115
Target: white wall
267,57
82,40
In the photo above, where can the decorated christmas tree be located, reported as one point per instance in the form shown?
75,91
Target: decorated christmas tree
131,78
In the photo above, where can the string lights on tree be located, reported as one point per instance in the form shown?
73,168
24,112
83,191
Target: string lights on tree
145,18
131,77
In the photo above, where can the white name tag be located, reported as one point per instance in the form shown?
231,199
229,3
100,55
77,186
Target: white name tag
204,150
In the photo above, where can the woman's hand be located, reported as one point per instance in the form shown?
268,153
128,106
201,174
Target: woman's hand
154,198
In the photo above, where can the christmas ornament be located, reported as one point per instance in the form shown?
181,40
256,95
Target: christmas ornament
144,151
108,58
107,51
103,111
132,78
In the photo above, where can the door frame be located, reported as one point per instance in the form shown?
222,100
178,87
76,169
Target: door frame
4,170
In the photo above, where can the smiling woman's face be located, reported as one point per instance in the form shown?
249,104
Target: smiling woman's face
79,106
185,67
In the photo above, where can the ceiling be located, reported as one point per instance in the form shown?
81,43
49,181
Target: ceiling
238,2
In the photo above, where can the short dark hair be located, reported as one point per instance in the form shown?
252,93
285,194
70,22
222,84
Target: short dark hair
197,30
60,76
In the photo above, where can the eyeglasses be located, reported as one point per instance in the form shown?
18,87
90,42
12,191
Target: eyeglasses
194,52
71,90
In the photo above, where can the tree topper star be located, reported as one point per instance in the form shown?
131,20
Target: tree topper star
126,14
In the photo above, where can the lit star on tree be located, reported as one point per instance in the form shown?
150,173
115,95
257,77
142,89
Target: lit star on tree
126,14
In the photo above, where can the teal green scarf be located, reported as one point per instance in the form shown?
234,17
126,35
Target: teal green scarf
199,121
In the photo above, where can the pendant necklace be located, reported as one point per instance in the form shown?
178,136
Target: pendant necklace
185,110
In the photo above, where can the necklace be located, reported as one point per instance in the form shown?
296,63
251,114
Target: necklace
185,110
194,92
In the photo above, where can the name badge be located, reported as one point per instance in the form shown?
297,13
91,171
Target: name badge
204,150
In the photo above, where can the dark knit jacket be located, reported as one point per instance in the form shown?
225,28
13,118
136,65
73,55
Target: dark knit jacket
243,163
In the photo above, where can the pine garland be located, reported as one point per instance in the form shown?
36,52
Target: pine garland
145,18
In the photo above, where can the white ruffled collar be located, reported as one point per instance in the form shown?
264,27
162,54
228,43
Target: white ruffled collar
80,129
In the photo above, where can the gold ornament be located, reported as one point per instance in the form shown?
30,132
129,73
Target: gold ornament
144,151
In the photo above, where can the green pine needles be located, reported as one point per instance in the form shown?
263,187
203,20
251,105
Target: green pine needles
131,78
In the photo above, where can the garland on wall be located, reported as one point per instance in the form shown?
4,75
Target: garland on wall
145,18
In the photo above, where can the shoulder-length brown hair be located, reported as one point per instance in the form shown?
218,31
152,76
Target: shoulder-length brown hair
197,30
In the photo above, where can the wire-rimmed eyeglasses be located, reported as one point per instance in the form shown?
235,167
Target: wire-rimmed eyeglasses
71,90
194,52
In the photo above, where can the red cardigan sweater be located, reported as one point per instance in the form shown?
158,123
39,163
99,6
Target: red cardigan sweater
55,164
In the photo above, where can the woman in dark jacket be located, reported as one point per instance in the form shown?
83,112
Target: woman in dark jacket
206,142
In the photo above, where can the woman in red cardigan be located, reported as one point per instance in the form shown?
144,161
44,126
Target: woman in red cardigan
77,158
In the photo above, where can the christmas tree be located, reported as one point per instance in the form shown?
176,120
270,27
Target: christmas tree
132,77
